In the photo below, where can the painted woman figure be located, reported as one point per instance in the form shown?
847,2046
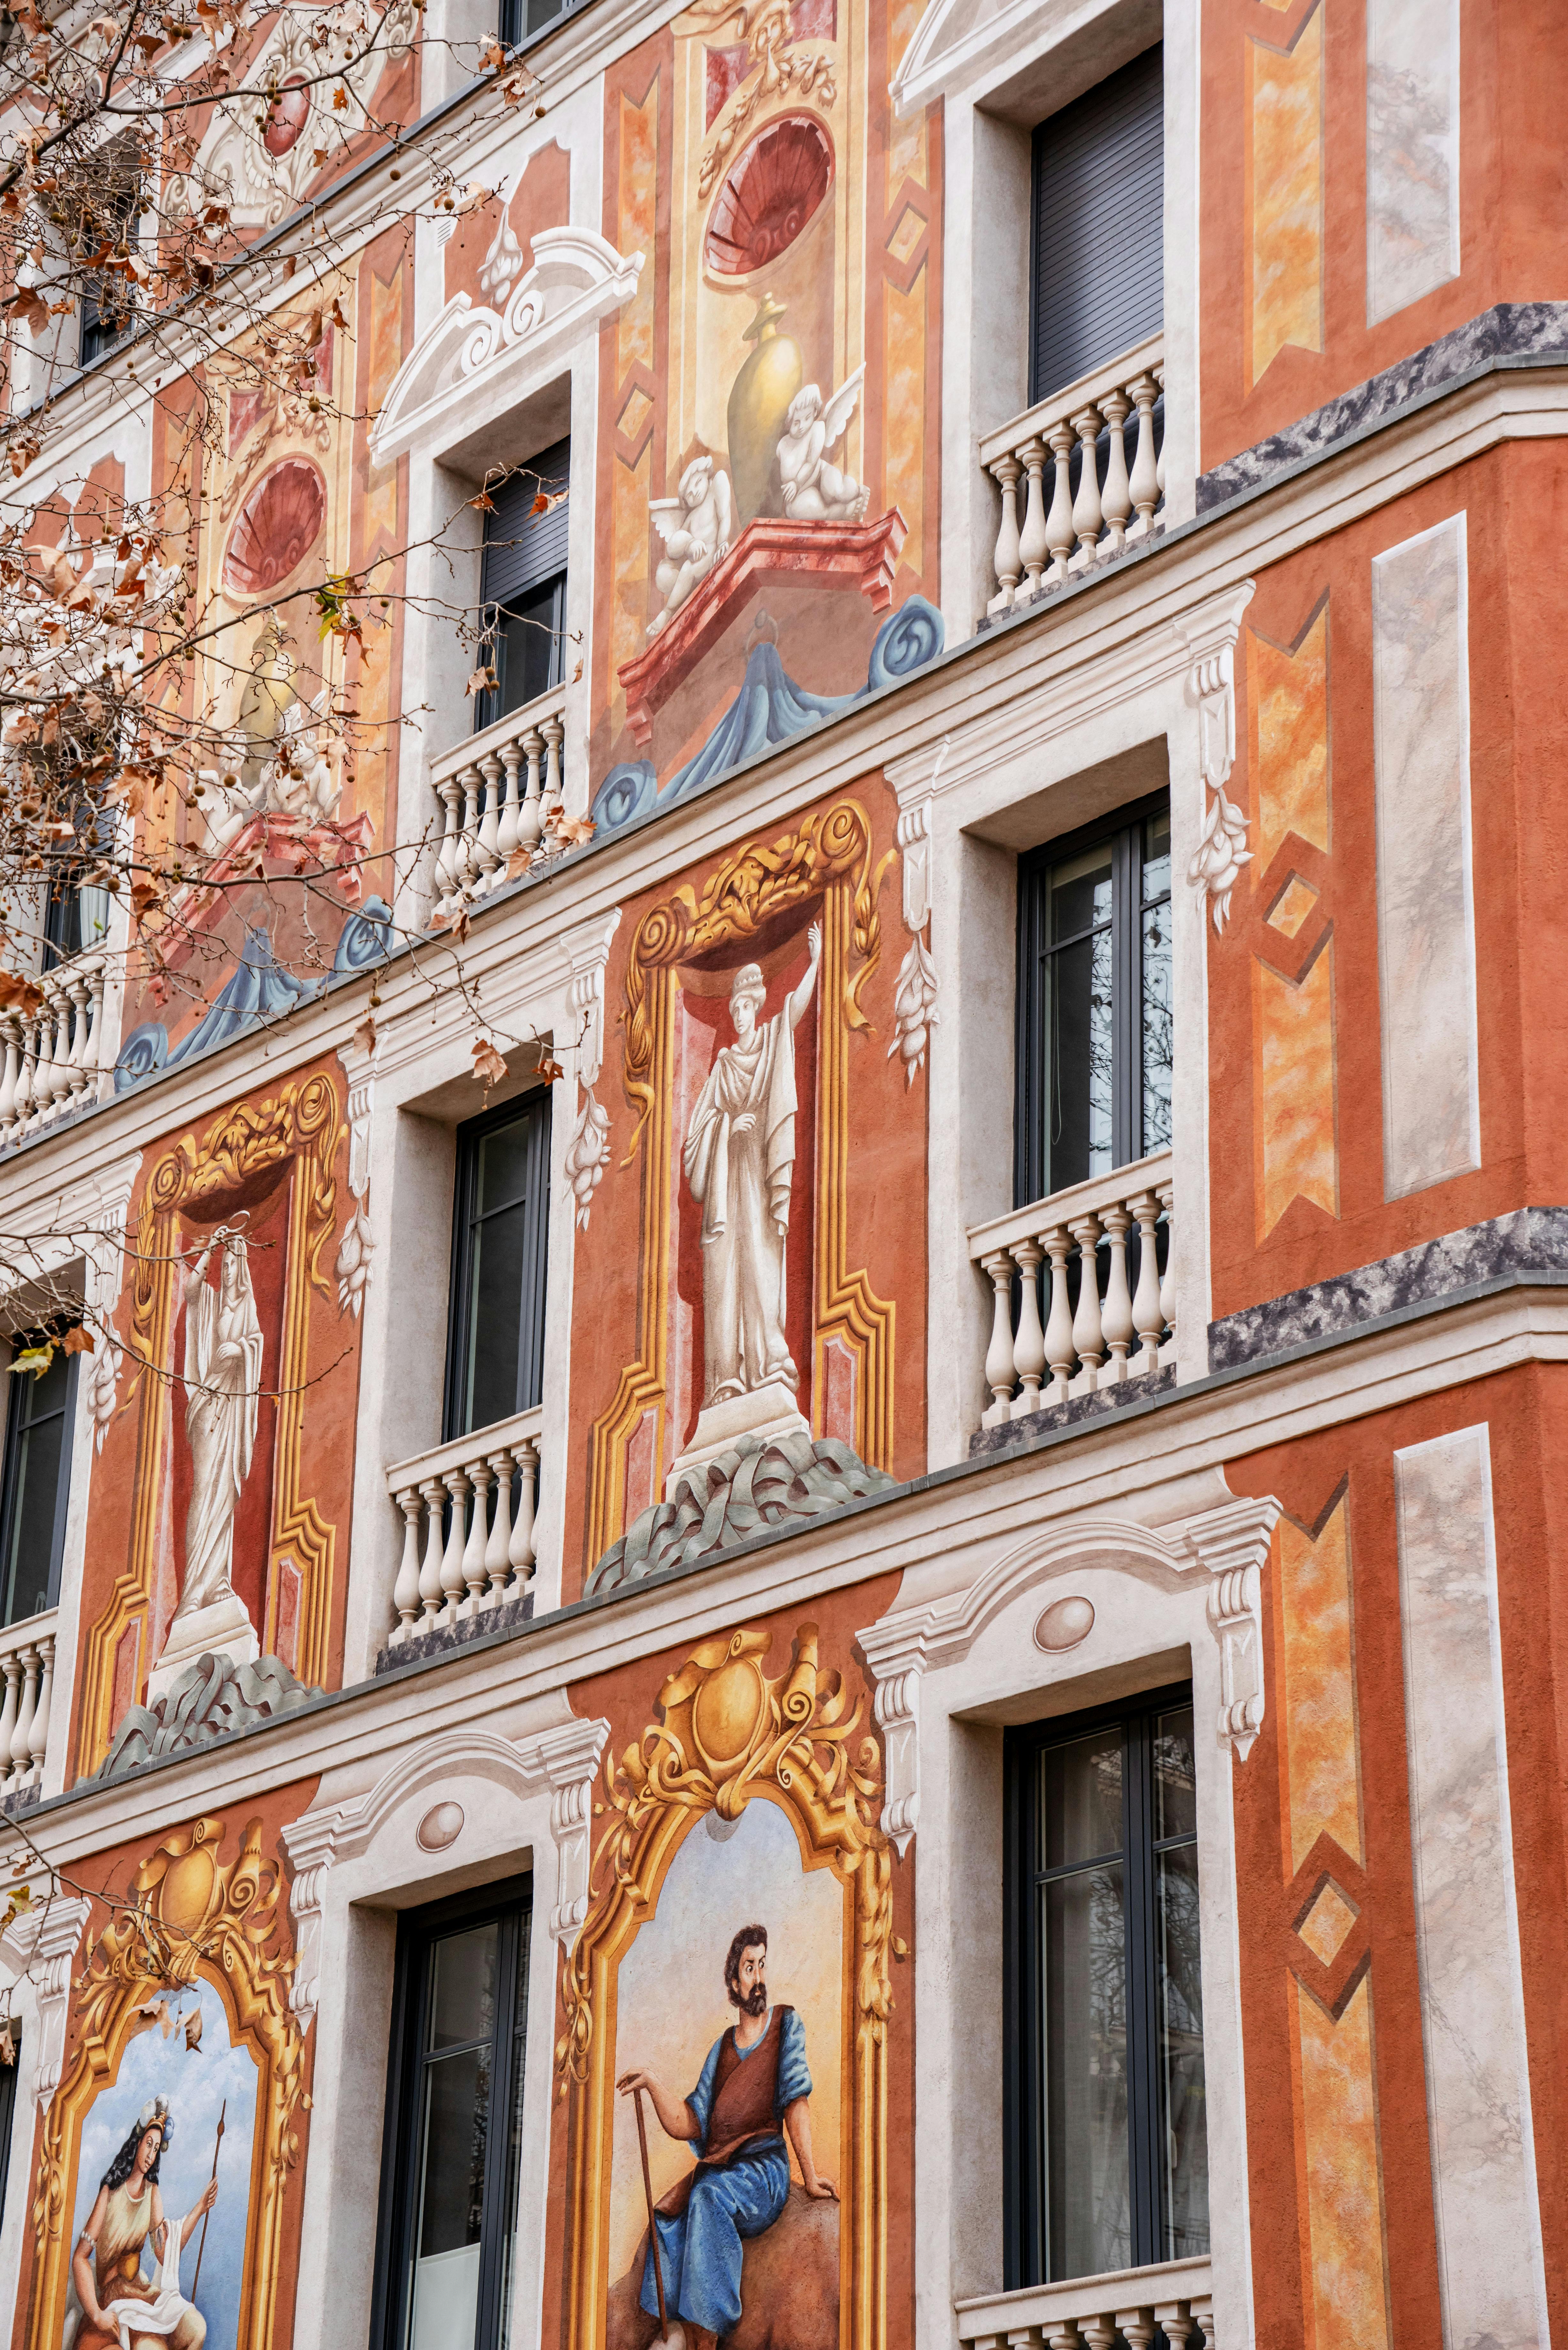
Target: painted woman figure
223,1382
111,2306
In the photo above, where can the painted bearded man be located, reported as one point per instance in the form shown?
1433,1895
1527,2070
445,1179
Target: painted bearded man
752,2093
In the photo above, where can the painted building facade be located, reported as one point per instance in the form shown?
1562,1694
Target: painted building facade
975,1403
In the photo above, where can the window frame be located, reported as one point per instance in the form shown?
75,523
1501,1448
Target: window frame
1040,140
537,1102
16,1403
550,464
1031,1145
1025,2220
510,1902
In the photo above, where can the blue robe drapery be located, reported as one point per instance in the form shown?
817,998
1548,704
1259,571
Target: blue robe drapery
699,2249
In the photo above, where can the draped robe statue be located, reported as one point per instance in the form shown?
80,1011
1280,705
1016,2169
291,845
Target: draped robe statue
738,1159
222,1380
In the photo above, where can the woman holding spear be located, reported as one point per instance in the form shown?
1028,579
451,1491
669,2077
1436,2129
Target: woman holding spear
110,2306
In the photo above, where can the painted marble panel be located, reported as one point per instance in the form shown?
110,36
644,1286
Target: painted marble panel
1412,150
1287,691
1491,2274
1297,1143
1322,1768
1426,938
1284,194
1347,2271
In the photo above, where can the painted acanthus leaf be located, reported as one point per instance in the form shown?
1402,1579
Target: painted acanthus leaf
915,1010
1220,854
587,1155
353,1267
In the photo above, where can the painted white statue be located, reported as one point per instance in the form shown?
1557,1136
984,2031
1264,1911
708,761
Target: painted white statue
695,528
223,1385
815,491
739,1157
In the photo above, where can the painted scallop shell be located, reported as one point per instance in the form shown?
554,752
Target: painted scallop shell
768,195
276,527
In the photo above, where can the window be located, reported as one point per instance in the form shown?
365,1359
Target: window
1098,244
521,18
36,1485
108,219
1106,2153
522,584
76,914
496,1345
1094,1003
9,2073
451,2148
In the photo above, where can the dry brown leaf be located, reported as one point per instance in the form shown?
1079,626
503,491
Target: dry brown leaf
365,1036
78,1341
481,681
488,1066
550,1069
194,2030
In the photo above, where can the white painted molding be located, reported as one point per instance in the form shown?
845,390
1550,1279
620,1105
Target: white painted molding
565,1760
1209,634
956,43
588,949
474,365
1229,1546
42,1945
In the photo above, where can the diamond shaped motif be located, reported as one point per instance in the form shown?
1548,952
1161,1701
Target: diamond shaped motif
907,235
1327,1922
635,413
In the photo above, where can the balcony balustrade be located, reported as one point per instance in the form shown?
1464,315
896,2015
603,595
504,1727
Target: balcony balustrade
468,1527
496,791
53,1055
1128,2310
1080,524
1107,1334
27,1663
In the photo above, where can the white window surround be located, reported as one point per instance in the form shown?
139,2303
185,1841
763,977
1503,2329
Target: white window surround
525,1803
37,1956
996,78
952,1669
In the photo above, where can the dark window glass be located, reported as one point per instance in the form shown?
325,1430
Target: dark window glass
1098,227
454,2108
520,18
8,2073
108,300
36,1486
1093,1004
1107,2152
495,1351
522,584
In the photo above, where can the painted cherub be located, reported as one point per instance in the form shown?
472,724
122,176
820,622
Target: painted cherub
695,528
815,491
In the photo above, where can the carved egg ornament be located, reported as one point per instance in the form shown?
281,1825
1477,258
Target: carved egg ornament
769,194
285,118
1065,1623
440,1827
276,529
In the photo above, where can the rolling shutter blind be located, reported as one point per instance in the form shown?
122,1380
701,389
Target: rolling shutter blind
523,549
1098,242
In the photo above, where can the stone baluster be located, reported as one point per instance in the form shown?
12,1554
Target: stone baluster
481,1476
452,1574
11,1667
434,1494
1064,2334
79,993
1116,496
406,1590
11,1031
1008,552
530,823
1100,2330
1029,1346
1116,1315
554,734
448,871
1137,2328
21,1748
1167,1286
1034,547
1087,1335
487,847
29,1040
1149,1316
92,1051
998,1353
1159,375
1060,1350
1176,2323
467,867
1059,521
520,1550
38,1742
1201,2307
506,831
47,1074
1143,488
497,1562
1088,517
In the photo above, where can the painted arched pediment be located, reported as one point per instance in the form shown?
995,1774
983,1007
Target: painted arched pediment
475,362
